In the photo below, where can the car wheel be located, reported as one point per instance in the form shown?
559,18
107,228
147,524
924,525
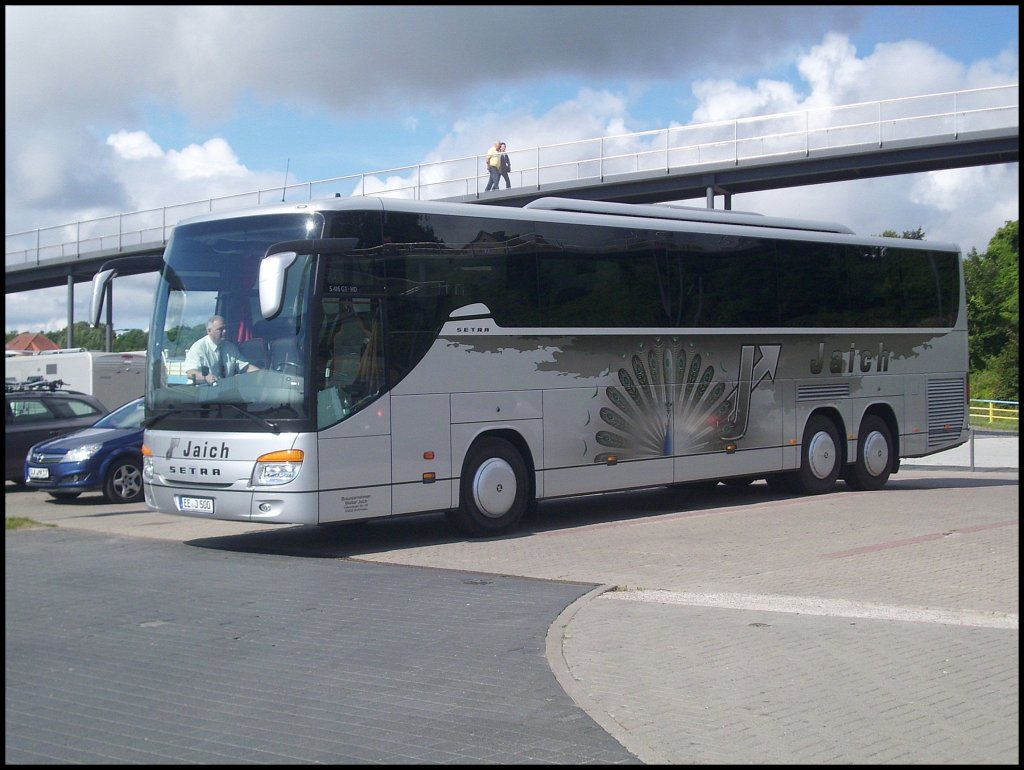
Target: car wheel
875,453
124,482
495,490
64,495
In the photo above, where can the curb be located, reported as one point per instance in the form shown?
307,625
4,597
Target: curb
554,647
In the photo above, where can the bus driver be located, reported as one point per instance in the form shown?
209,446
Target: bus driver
212,357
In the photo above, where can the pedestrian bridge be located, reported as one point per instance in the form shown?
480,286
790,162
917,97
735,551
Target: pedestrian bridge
855,141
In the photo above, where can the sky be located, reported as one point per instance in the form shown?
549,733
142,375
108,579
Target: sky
113,109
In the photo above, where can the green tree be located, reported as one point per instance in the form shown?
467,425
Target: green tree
993,315
914,235
84,336
131,339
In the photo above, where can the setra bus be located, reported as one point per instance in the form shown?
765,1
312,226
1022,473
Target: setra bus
408,356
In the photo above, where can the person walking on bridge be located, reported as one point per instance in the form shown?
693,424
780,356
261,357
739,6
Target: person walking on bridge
504,167
493,165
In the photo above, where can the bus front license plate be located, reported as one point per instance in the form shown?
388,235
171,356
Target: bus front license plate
197,504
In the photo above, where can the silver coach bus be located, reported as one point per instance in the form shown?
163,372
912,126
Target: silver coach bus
406,356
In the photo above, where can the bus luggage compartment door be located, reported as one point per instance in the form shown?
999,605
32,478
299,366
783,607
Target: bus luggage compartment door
421,453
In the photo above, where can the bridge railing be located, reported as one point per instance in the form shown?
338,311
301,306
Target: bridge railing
946,115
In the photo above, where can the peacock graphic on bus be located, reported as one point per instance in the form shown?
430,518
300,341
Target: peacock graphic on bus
669,399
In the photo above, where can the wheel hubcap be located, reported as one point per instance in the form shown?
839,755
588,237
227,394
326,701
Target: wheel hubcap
494,488
127,482
875,453
821,455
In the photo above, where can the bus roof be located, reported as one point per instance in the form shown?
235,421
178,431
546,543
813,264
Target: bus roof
569,209
688,213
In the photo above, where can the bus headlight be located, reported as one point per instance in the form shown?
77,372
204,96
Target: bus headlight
276,468
147,464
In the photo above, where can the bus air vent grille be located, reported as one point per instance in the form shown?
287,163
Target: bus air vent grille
947,405
828,392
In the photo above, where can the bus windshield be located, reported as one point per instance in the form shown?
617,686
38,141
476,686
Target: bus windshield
214,355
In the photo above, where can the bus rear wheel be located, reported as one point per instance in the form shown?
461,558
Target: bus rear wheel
874,455
820,458
495,489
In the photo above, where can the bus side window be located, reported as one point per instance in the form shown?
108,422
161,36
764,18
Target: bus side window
347,347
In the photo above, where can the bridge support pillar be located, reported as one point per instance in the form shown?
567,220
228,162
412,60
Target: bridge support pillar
71,310
726,195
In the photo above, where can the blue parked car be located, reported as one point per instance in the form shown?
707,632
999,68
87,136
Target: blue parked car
105,457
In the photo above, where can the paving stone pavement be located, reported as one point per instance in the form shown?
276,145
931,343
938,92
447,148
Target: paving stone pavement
733,686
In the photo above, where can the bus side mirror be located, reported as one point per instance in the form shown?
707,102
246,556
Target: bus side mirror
271,283
145,263
100,281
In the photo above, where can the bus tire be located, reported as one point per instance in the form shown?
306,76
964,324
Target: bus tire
494,492
875,452
820,457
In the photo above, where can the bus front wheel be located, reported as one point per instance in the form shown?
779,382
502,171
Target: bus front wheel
875,453
820,457
495,490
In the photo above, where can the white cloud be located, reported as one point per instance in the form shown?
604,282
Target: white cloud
212,159
134,145
727,100
833,71
964,206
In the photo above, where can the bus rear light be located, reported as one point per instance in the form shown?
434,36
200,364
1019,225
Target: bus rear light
146,451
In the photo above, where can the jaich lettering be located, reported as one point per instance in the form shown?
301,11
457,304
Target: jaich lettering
206,451
852,361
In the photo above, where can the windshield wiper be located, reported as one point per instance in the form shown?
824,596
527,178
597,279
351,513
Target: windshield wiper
205,408
265,424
